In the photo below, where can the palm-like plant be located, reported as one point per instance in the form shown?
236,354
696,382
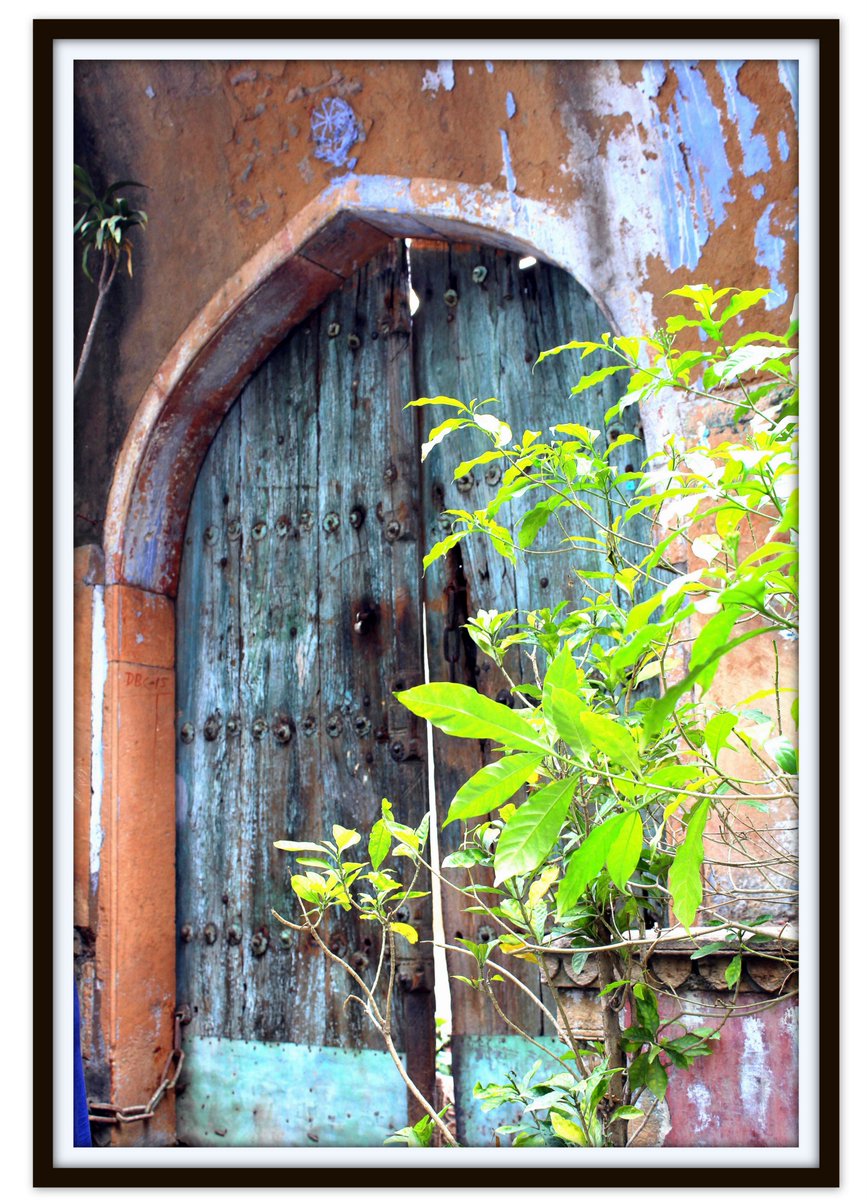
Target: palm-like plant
103,228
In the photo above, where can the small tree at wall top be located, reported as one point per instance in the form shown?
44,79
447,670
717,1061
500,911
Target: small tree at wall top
103,229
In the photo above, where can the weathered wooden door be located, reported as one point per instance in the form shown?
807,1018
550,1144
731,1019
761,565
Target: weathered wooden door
299,613
480,326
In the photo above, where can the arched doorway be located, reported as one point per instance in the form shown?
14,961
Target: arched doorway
299,612
146,518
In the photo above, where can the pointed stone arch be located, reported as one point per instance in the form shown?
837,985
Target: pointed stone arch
152,486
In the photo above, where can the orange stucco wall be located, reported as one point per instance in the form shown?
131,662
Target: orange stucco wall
657,174
636,177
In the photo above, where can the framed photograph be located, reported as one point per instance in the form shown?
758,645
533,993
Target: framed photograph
430,684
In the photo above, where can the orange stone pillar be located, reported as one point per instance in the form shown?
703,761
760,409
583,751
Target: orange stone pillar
135,945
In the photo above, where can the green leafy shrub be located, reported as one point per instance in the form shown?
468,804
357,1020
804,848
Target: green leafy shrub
625,790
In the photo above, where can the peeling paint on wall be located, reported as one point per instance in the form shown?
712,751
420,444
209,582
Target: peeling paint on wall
98,677
508,172
511,107
755,1073
743,113
783,146
442,77
770,249
702,1102
788,73
696,173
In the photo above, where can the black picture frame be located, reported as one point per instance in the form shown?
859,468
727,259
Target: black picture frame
826,33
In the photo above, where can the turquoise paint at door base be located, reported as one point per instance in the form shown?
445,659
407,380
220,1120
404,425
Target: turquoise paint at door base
485,1059
280,1094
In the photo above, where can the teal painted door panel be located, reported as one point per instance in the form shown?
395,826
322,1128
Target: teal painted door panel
485,1058
240,1093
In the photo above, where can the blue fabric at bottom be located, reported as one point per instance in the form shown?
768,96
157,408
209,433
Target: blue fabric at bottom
81,1120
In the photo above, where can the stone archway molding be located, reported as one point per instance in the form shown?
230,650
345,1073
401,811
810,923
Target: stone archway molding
128,872
254,310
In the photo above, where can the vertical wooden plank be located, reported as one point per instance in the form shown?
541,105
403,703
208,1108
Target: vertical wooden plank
480,326
209,728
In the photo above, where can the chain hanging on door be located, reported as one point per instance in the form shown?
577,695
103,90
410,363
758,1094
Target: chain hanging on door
113,1114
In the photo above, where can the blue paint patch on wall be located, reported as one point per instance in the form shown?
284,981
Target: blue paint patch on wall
783,144
769,253
652,78
695,173
758,190
743,113
511,107
788,73
335,131
508,172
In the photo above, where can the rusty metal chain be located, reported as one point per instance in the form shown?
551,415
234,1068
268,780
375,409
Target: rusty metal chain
113,1114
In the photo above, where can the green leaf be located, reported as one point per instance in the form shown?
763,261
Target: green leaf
626,1112
378,844
587,347
733,971
647,1071
657,1078
533,830
424,401
568,1131
441,431
443,547
345,837
463,858
660,710
492,786
587,861
639,613
748,358
303,887
713,636
535,520
647,1009
625,850
406,931
499,430
589,381
784,753
614,740
710,948
791,514
565,711
464,712
467,465
295,847
684,876
741,301
717,731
